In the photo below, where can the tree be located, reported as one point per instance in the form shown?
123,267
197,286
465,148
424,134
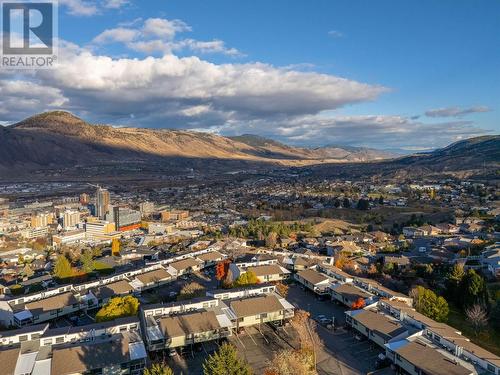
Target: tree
477,316
62,269
363,204
282,289
429,304
292,362
474,289
191,290
271,239
87,261
118,307
358,304
115,247
454,281
246,278
225,361
221,269
158,369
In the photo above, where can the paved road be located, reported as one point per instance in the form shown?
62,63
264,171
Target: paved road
342,353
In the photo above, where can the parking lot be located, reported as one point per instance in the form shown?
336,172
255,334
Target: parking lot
341,353
258,344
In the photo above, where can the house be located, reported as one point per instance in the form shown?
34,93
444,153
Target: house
314,281
191,328
416,358
104,348
183,266
347,294
303,263
104,293
210,258
151,279
252,260
400,261
45,309
376,327
336,273
258,310
267,273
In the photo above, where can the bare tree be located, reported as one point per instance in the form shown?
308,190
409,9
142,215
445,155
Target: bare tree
477,316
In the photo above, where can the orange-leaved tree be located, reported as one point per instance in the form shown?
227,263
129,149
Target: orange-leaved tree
358,304
221,269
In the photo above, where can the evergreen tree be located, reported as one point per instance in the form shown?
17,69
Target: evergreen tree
225,362
158,369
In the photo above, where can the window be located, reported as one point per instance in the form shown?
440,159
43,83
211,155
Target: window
263,315
23,338
59,340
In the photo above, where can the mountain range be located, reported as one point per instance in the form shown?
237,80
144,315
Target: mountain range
60,140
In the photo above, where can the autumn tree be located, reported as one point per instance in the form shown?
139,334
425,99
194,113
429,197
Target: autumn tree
291,362
191,290
358,304
87,261
272,239
221,269
225,361
477,316
118,307
158,369
62,269
246,278
282,289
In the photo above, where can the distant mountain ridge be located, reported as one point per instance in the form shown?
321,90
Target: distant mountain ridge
59,140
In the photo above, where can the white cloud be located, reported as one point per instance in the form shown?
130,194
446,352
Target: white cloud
455,111
163,28
80,7
115,4
335,34
119,34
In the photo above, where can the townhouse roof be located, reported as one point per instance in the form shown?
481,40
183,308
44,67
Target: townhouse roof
8,359
312,276
430,360
256,305
268,269
351,292
381,324
78,358
183,325
153,276
185,263
111,289
247,258
210,256
58,301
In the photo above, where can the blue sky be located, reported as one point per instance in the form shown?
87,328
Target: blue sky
409,75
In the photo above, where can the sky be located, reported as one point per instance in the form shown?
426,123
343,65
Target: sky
397,75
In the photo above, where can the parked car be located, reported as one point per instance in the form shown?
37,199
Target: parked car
172,352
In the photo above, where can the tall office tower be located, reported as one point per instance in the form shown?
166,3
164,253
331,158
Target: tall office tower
102,202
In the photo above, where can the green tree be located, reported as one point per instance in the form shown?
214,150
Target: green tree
474,289
87,261
429,304
454,281
62,269
246,278
158,369
118,307
363,204
225,362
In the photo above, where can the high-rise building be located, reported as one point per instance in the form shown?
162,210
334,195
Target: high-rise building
146,208
126,219
41,220
102,202
71,218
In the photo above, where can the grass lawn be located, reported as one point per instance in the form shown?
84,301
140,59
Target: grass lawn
488,339
102,268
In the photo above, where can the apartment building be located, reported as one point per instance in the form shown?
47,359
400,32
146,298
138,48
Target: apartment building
314,281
